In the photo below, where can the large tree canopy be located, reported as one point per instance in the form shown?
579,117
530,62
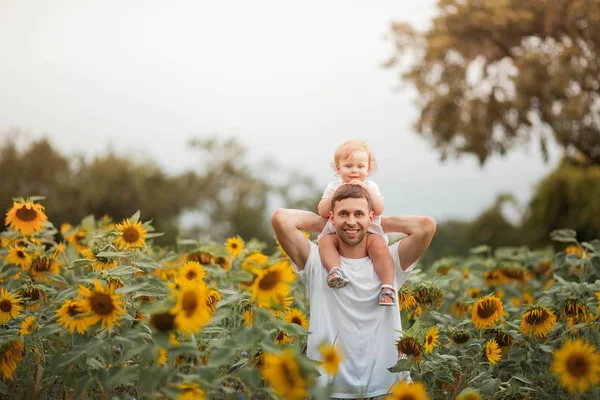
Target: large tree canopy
492,74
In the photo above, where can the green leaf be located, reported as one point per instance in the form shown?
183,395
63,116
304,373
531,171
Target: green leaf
135,217
564,235
94,364
131,288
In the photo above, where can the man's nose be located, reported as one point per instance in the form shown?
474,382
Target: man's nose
351,220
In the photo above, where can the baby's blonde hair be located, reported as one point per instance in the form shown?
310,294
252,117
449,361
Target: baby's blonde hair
345,149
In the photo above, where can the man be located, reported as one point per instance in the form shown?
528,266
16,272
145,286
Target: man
364,332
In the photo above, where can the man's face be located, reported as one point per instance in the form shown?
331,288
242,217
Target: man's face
351,218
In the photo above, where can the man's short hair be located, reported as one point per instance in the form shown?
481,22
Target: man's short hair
347,191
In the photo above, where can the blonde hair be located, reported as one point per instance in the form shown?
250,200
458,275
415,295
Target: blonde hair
345,149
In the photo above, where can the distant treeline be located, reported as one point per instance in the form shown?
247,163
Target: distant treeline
226,195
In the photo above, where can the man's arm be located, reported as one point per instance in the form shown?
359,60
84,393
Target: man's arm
420,231
288,226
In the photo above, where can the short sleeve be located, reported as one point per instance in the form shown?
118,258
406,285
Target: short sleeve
400,275
375,188
331,187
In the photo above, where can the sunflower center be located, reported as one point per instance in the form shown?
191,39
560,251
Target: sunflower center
5,305
280,336
26,214
164,322
269,281
409,347
189,303
33,294
297,320
430,339
20,254
234,245
537,317
486,309
102,303
408,396
131,234
191,275
73,310
578,366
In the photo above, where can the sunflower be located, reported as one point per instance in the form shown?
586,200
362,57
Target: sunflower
494,278
254,260
461,336
43,267
10,306
492,351
132,234
11,354
71,316
469,394
161,357
234,246
34,296
26,217
598,298
76,238
402,390
163,322
190,391
224,263
406,300
283,338
544,268
577,365
202,257
473,293
486,312
27,326
459,309
537,321
192,271
18,255
191,312
331,358
514,272
411,347
212,299
295,316
283,374
248,317
573,249
99,263
576,311
528,298
102,305
272,283
428,296
431,339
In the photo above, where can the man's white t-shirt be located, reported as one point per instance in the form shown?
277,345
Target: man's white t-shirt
365,332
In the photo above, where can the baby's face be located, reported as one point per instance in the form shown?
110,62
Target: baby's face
356,166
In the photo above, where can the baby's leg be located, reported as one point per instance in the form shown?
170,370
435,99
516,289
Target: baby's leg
382,262
328,250
330,258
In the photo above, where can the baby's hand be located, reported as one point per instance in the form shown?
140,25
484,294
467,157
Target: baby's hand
357,182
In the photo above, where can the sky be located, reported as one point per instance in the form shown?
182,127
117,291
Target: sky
290,81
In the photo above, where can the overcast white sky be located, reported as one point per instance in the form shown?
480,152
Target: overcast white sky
289,80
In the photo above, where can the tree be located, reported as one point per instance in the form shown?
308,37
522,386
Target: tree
567,198
494,74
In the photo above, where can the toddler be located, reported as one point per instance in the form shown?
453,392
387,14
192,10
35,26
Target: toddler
353,162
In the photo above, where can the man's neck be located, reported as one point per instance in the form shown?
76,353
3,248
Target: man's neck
358,251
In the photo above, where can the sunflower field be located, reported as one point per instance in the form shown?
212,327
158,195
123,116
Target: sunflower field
96,311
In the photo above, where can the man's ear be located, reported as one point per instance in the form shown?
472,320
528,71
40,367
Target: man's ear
331,215
371,216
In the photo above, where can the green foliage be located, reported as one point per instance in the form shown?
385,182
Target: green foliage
567,198
492,75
